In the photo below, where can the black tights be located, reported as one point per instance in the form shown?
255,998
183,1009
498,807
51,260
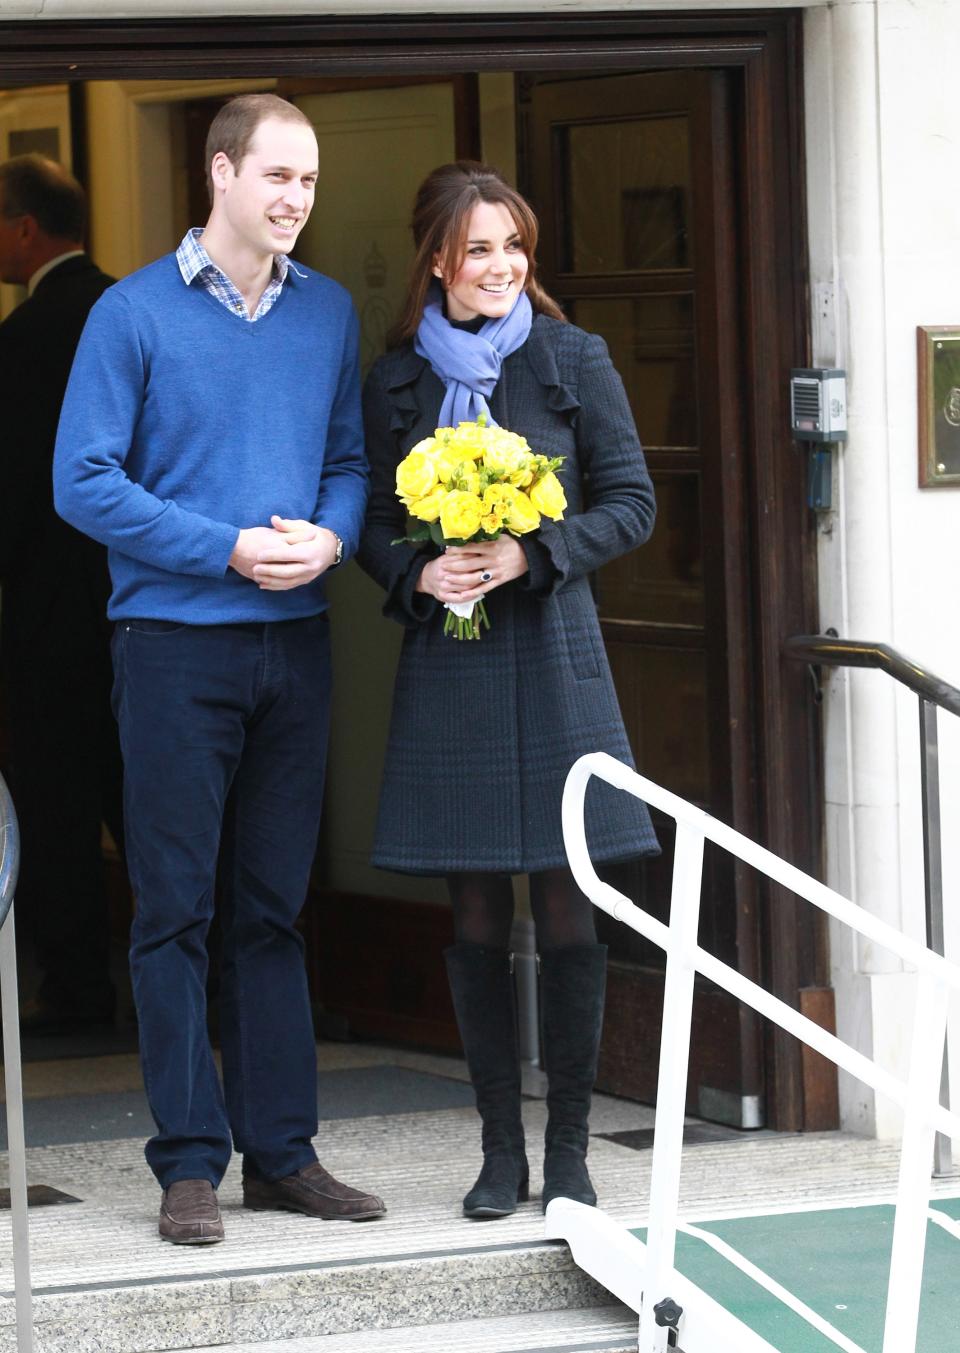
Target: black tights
483,909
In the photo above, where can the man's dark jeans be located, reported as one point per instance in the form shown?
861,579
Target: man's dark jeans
223,730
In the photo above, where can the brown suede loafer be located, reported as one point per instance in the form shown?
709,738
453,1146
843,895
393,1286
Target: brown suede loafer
190,1213
314,1192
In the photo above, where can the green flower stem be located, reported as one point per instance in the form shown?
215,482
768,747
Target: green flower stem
469,626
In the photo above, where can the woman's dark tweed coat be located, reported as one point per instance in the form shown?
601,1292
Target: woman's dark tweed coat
483,733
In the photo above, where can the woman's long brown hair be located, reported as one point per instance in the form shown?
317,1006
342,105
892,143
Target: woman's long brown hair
441,214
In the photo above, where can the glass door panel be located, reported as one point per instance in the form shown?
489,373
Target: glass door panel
626,194
652,344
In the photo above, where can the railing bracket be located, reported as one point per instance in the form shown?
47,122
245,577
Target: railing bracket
814,672
668,1313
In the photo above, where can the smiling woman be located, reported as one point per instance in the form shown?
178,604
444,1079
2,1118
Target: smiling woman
493,269
490,344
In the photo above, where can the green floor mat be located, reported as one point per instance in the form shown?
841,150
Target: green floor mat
950,1206
745,1299
837,1262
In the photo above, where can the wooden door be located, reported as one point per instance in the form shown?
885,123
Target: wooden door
635,184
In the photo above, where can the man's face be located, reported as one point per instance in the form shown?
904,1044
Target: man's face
12,262
268,199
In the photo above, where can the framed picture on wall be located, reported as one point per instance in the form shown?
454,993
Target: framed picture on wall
36,141
36,120
938,392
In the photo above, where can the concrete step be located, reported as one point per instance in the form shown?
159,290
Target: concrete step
316,1300
611,1329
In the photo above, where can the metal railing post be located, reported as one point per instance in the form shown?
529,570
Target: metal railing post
10,1008
933,892
672,1081
910,1224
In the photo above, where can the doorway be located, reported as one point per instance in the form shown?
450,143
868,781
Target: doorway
710,300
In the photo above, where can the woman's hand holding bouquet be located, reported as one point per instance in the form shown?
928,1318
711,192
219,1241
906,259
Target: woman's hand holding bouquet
472,490
466,573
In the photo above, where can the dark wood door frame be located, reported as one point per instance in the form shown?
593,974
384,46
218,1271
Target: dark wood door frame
727,1075
762,50
51,51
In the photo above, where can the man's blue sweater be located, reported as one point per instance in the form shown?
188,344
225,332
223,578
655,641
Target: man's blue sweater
184,423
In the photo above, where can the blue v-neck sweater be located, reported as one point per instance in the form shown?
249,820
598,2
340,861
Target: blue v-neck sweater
183,423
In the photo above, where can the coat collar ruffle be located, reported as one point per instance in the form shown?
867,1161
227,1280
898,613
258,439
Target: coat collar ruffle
405,368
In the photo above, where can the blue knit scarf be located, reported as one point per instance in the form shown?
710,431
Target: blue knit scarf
469,364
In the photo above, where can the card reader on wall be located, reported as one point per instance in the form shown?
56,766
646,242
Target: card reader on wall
818,416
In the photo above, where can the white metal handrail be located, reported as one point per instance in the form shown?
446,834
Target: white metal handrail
16,1140
918,1095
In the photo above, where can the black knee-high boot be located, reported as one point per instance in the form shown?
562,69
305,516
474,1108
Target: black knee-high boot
572,987
481,982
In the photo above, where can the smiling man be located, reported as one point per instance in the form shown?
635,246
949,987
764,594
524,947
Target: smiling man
211,438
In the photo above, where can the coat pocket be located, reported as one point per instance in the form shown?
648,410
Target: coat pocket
581,632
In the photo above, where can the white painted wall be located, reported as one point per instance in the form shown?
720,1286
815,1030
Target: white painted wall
884,233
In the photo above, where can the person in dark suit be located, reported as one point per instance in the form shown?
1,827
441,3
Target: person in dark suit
483,734
54,638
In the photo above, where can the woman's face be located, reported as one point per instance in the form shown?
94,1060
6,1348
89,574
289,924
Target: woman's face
494,267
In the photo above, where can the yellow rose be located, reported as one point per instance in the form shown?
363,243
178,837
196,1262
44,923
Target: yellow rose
511,443
426,447
499,460
460,515
468,441
523,516
428,507
548,497
416,475
467,480
497,496
446,462
492,523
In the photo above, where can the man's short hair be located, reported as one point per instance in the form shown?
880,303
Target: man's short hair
234,126
32,185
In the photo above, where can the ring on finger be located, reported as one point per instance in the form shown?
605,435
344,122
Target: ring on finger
485,576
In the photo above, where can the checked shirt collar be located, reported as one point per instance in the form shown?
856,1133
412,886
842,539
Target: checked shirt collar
195,264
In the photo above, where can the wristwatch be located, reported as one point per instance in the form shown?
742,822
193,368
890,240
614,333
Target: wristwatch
339,555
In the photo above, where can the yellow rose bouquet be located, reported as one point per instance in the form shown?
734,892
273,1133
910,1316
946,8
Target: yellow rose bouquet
470,483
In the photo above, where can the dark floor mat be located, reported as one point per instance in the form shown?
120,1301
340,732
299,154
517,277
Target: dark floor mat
105,1042
355,1092
694,1134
